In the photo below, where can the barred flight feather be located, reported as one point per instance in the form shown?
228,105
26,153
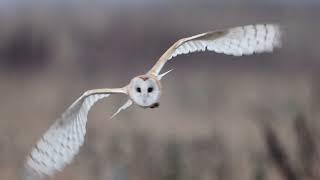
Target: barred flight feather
62,141
236,41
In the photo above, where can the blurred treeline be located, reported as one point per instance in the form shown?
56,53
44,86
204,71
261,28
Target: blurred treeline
221,117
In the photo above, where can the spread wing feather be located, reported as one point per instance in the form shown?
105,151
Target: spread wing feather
63,139
238,41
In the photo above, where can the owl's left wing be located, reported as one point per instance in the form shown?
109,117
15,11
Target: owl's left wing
238,41
63,139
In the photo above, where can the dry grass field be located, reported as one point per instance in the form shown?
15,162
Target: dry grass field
220,118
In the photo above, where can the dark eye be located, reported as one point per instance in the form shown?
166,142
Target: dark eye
138,90
150,89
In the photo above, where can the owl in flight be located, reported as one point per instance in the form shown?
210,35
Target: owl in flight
62,141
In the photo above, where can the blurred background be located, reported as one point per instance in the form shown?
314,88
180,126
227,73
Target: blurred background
221,117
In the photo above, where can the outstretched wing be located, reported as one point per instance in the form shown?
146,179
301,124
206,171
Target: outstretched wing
238,41
62,141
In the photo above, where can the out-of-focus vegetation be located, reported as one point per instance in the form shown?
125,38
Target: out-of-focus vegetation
221,117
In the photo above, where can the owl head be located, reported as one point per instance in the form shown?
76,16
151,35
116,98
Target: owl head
145,91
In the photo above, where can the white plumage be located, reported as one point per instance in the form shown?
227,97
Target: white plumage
238,41
62,141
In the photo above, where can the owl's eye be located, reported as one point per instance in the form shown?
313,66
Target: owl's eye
138,90
150,89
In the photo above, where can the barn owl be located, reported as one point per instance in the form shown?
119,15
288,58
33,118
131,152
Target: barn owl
62,141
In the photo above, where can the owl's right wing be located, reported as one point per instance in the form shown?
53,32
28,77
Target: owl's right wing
237,41
62,141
